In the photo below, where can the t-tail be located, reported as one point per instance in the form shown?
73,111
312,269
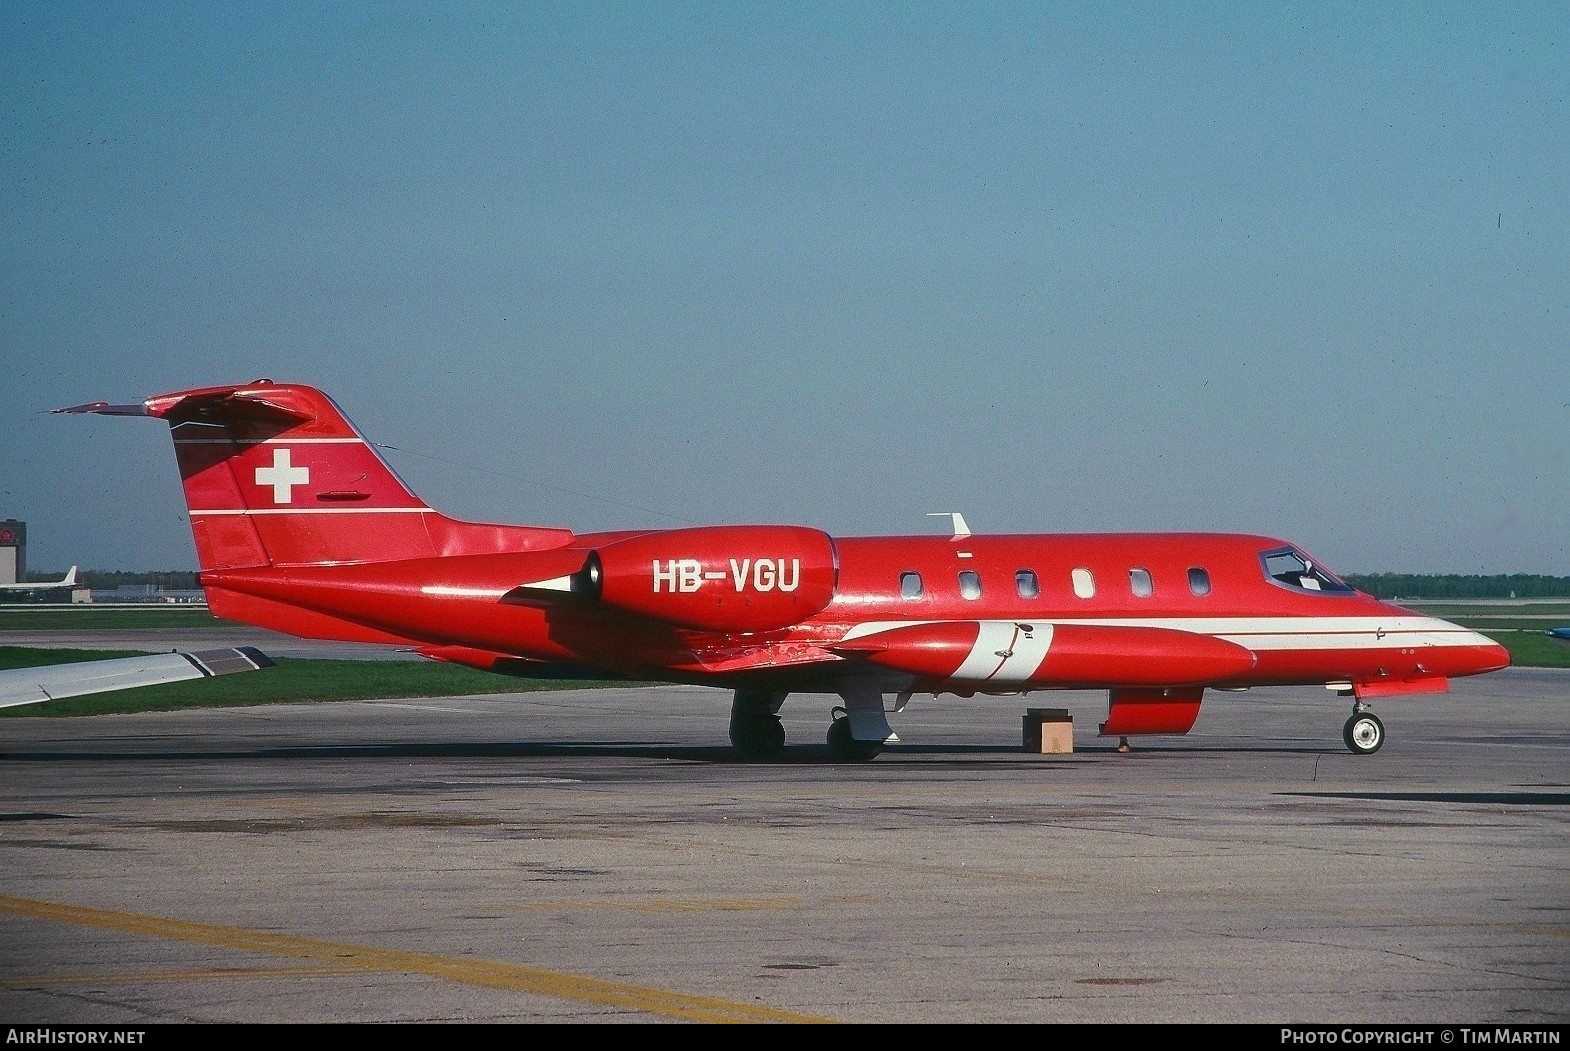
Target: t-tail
275,475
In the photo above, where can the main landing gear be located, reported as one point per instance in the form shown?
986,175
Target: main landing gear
861,728
1363,732
858,732
755,728
843,746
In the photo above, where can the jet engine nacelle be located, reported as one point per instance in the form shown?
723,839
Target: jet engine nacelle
719,578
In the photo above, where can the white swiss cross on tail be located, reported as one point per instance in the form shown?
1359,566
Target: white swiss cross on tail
282,476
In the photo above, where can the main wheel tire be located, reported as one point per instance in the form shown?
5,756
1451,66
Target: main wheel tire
844,747
1363,733
760,736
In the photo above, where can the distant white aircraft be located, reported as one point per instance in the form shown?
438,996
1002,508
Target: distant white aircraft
52,682
67,581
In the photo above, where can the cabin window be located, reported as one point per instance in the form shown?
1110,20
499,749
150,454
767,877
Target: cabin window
1025,583
1139,582
910,585
970,584
1290,567
1084,583
1198,580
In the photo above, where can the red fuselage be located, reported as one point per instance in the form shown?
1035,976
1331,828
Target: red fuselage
301,526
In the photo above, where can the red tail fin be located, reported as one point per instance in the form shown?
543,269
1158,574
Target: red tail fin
275,474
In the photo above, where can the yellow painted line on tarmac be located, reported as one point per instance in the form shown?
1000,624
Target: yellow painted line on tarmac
491,974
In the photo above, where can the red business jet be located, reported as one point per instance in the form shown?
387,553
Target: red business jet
301,527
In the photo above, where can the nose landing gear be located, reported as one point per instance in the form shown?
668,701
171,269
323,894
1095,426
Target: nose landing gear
1363,732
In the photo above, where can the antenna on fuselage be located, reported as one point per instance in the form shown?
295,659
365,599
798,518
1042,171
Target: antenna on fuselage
961,530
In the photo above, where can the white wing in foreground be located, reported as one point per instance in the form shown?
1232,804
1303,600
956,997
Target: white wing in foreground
52,682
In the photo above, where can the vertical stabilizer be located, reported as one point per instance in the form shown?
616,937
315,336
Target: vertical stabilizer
276,475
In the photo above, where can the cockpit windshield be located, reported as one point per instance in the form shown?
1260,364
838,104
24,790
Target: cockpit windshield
1291,567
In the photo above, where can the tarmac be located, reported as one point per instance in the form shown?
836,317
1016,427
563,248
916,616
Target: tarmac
601,856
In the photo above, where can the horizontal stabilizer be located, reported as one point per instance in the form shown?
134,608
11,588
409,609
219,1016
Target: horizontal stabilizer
234,402
103,408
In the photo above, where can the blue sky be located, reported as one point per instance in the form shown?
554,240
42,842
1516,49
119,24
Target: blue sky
1292,269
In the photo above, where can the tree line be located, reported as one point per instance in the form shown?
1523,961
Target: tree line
1458,585
103,580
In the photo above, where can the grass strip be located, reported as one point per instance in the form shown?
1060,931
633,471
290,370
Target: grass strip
290,681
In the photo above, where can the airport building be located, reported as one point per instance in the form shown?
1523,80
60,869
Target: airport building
13,572
14,589
13,551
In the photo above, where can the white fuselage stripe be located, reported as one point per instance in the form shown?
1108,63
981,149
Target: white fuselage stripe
1011,654
1255,633
994,642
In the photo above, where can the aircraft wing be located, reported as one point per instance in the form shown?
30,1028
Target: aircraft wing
52,682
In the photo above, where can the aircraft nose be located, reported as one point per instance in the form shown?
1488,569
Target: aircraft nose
1492,658
1477,656
1465,651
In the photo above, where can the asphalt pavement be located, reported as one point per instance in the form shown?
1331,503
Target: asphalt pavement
600,856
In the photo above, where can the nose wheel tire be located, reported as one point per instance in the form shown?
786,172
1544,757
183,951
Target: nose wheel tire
1363,733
